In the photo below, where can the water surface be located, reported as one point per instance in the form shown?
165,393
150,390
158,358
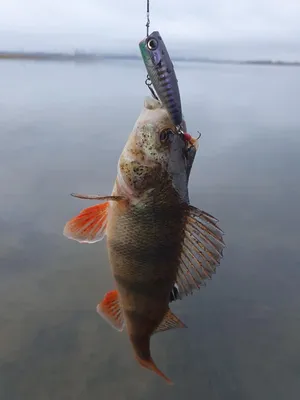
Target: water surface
62,128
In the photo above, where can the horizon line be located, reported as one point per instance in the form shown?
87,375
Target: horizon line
93,56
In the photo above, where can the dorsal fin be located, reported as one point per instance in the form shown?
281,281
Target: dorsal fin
202,251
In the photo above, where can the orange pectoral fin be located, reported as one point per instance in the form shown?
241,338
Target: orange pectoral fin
110,309
89,225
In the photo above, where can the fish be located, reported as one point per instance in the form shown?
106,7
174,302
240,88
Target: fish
162,74
160,247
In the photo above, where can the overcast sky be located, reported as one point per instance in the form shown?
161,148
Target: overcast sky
120,24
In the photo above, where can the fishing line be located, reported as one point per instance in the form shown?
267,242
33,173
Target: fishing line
148,18
149,84
148,80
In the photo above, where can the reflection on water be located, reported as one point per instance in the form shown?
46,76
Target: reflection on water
62,129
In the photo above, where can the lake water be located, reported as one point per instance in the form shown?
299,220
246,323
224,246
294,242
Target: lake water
62,128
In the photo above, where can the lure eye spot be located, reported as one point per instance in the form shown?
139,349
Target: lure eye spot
152,44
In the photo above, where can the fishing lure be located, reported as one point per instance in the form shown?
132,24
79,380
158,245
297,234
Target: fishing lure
161,75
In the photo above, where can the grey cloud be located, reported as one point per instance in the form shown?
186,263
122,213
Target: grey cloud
120,24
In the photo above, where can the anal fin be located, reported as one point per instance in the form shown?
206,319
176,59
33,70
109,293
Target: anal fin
170,321
110,309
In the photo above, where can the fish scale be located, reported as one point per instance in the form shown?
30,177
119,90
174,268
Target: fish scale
145,248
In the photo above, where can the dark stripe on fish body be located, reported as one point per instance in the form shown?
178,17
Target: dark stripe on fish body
153,290
138,253
141,319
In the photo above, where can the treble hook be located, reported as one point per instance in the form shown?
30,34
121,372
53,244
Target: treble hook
149,84
200,134
188,138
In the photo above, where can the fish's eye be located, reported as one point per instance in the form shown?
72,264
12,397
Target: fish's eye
152,44
165,135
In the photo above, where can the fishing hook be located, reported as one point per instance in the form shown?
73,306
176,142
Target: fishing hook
149,84
191,144
200,134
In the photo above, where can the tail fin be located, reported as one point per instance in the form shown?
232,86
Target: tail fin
141,345
149,364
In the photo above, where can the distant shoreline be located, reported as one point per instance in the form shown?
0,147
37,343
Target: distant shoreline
85,57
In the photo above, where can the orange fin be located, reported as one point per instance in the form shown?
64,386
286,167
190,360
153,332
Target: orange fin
89,225
170,321
149,364
110,309
202,251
